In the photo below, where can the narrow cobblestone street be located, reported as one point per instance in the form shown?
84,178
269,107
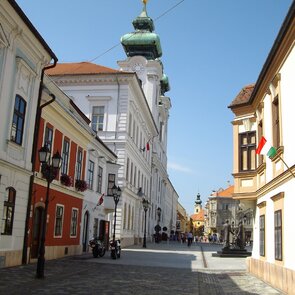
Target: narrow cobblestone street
159,269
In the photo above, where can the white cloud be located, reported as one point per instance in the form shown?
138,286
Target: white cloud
178,167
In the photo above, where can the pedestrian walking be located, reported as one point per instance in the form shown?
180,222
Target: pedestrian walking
189,239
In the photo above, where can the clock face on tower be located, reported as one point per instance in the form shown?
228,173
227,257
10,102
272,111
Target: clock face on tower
137,67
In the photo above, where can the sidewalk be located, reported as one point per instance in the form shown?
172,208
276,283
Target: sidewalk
175,254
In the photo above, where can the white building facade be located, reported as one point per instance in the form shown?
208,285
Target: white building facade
129,111
267,109
23,57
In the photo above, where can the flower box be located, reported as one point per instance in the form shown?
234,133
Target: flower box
66,180
81,185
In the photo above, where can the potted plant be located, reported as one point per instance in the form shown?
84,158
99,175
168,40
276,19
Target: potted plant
66,180
81,185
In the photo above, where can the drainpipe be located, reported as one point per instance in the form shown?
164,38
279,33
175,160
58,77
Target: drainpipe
33,157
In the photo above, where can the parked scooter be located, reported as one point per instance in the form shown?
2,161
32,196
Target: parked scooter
115,249
98,248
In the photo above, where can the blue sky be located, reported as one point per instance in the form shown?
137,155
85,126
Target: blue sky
211,49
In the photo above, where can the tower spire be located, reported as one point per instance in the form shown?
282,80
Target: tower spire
143,41
144,4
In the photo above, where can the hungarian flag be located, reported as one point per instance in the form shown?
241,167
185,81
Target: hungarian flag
264,148
100,201
147,146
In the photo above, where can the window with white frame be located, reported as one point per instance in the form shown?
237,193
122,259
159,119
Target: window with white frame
65,156
99,179
8,211
90,174
111,183
127,170
18,120
97,118
58,220
278,234
276,122
130,125
79,164
74,222
48,138
125,216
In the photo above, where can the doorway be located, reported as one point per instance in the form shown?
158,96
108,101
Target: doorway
37,226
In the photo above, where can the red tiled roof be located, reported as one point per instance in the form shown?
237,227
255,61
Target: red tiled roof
243,96
198,216
81,68
228,192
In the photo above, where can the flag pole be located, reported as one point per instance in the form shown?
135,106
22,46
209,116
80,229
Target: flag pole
287,166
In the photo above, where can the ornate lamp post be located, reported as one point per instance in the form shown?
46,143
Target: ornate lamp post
50,167
116,192
145,204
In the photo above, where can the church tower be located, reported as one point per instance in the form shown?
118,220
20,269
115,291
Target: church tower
198,204
142,42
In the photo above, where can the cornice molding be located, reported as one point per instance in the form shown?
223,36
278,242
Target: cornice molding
261,205
278,196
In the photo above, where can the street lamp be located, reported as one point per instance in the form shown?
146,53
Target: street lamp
49,168
145,204
116,193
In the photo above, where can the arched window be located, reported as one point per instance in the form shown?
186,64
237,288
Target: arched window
8,212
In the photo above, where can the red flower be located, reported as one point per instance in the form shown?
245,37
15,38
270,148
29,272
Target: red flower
66,180
81,185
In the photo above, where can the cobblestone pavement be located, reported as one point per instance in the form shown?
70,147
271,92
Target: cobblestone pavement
86,275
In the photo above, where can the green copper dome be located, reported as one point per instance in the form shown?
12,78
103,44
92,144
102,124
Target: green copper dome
143,41
165,86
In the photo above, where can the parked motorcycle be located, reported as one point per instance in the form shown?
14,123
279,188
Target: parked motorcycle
115,249
98,248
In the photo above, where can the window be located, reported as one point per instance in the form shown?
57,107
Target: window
130,125
131,173
111,182
247,146
224,206
48,138
262,235
276,122
58,220
79,165
161,131
99,179
8,211
90,174
125,216
278,234
135,174
97,118
127,170
65,157
18,120
74,222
